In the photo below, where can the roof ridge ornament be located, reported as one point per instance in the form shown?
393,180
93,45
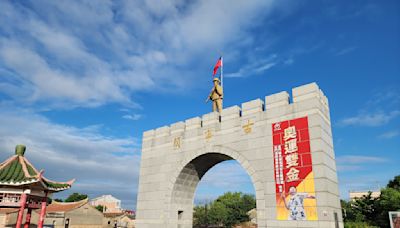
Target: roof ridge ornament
24,168
39,176
20,150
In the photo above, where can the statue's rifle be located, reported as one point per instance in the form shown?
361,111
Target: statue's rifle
208,98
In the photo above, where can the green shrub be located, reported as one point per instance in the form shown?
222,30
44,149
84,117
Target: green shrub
358,225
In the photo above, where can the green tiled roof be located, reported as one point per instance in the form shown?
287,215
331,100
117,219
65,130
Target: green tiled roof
18,171
13,173
56,185
31,170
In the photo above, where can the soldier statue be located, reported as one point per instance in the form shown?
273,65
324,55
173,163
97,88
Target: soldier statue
216,95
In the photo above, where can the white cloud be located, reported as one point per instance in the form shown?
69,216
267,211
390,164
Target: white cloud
369,182
50,83
132,117
356,162
389,134
255,67
107,164
67,54
370,119
381,108
289,61
345,51
359,159
224,177
389,97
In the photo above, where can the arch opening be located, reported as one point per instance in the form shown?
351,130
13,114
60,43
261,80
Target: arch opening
186,183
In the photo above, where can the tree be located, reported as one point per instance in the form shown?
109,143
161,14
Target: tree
351,214
237,205
74,197
200,216
227,210
373,211
58,200
366,206
395,183
100,208
389,200
218,214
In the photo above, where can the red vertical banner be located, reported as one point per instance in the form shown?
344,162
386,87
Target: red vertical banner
294,178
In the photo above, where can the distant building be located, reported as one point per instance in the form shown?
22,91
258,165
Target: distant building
109,203
359,194
59,215
120,220
130,212
71,215
74,214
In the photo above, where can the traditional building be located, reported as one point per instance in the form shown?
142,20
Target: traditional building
110,203
120,220
25,188
7,215
74,214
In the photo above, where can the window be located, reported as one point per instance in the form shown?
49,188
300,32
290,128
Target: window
180,215
66,223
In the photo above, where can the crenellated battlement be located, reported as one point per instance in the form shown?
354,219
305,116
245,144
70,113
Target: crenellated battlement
304,97
174,159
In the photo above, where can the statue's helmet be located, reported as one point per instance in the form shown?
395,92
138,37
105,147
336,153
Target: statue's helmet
216,79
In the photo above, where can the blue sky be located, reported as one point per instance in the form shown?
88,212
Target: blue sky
81,80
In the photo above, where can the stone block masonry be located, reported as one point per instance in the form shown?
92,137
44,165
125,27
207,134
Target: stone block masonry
175,158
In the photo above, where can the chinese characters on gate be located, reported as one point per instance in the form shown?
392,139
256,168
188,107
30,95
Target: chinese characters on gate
291,155
294,180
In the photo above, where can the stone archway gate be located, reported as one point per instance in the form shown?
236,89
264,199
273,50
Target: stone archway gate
175,157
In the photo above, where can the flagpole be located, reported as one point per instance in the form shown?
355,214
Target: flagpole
222,73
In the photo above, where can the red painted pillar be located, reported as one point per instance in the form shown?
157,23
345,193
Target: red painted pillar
28,218
42,212
21,210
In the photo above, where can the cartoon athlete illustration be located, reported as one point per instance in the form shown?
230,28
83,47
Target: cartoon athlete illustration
296,204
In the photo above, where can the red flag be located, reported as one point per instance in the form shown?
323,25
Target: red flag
217,65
